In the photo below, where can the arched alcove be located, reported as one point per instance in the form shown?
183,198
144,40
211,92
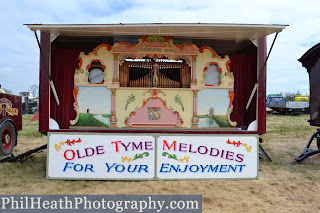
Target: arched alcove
212,75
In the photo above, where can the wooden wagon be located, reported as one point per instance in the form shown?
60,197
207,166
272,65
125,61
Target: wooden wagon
153,101
311,61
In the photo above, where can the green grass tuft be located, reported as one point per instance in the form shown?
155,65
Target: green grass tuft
88,120
29,129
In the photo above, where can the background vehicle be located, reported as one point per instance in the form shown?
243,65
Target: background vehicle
10,122
301,98
29,103
296,105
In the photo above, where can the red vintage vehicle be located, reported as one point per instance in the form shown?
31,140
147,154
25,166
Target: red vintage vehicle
10,122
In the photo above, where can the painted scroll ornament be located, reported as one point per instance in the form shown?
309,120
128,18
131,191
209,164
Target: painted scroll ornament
230,109
75,106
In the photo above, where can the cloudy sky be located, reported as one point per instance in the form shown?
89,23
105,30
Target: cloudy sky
89,95
19,55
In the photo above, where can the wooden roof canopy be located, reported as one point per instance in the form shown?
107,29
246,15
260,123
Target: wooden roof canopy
310,57
224,38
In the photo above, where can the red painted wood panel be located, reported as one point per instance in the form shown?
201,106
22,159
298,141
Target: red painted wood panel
44,84
159,131
262,53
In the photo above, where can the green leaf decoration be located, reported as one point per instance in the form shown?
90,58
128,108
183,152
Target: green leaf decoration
170,156
155,38
178,100
165,154
78,71
130,99
139,156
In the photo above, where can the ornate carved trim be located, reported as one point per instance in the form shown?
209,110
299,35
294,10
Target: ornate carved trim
228,66
178,124
75,106
80,63
214,53
206,68
115,79
155,47
182,46
187,60
195,121
113,117
195,118
115,56
126,44
95,60
125,57
113,120
113,91
230,109
154,92
95,50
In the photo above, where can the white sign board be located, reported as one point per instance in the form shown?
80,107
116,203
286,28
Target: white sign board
207,157
100,156
146,157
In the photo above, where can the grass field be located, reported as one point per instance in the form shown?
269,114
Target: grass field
281,187
222,120
89,120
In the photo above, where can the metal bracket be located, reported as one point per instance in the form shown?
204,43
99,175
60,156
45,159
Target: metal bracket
260,73
263,154
254,41
46,67
53,36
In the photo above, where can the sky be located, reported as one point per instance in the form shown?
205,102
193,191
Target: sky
88,95
208,99
19,55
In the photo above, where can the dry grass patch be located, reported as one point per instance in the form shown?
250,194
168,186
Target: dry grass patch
281,187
